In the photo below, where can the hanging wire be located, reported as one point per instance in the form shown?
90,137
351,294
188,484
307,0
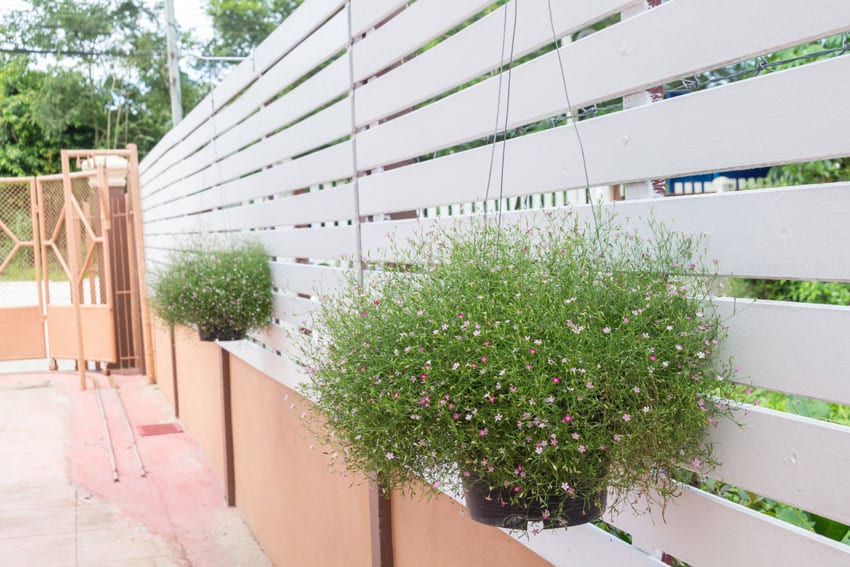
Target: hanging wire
575,128
507,112
498,106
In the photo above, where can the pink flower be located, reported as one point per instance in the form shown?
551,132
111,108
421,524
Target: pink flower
483,359
483,432
376,302
625,319
390,456
627,418
589,385
556,380
568,418
532,351
606,330
617,438
581,449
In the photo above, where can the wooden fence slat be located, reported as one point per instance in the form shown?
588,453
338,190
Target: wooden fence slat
440,69
790,347
306,278
763,233
641,59
412,28
330,164
584,545
331,204
702,529
741,125
789,458
365,14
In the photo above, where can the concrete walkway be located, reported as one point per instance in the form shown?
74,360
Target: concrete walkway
59,505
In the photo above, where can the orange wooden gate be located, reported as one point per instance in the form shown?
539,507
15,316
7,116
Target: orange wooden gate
21,324
57,286
76,263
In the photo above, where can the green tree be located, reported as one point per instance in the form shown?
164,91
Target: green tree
106,82
240,25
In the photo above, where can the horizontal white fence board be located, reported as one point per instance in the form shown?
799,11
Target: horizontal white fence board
743,125
366,14
792,459
796,348
439,69
306,278
267,182
331,204
318,47
702,529
760,233
294,29
409,30
276,338
537,89
294,310
278,369
331,242
584,545
330,164
218,162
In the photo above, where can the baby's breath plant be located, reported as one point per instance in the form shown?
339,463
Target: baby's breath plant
550,361
223,288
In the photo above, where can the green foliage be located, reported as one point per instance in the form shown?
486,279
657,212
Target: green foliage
100,81
240,25
224,287
549,359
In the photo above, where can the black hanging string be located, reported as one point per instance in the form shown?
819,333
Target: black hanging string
498,109
587,194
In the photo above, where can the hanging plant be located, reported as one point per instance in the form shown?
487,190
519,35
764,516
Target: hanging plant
535,367
223,288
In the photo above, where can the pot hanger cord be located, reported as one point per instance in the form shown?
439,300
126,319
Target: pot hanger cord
498,112
504,128
587,194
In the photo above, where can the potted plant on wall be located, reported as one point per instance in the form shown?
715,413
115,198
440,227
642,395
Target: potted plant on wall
539,366
222,288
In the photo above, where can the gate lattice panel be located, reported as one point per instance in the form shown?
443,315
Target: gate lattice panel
21,323
74,231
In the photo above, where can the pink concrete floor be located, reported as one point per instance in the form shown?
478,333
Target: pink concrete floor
59,504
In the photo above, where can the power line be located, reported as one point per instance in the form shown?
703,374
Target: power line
70,52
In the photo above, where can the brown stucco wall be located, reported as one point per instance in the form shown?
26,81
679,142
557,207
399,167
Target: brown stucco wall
438,532
199,389
162,360
300,514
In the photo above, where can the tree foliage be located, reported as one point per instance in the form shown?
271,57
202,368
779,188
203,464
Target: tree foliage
240,25
82,74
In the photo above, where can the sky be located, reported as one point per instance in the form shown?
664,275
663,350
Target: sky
189,14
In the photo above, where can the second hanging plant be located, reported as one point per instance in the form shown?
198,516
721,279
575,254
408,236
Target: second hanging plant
533,366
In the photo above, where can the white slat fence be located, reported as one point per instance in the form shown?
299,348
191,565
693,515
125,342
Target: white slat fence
272,151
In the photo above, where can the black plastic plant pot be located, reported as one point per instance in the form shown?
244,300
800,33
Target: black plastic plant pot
492,507
221,334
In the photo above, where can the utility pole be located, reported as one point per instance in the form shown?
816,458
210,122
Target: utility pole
173,69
